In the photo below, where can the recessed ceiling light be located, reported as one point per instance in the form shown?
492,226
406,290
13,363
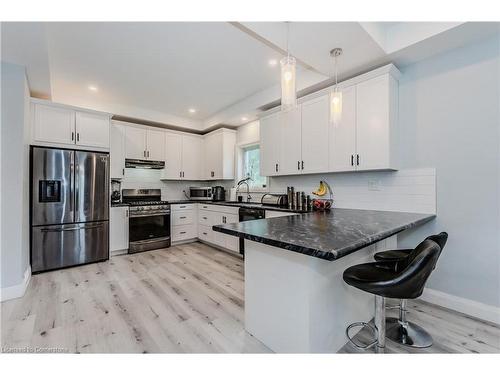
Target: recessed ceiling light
192,110
244,119
273,62
93,88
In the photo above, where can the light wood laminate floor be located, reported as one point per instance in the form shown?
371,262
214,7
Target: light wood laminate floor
188,298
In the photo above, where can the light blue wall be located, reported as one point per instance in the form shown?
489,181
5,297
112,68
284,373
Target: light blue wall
449,119
14,173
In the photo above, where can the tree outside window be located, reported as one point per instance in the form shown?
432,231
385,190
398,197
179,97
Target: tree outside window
251,167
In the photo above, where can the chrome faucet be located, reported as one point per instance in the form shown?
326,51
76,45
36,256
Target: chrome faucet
241,182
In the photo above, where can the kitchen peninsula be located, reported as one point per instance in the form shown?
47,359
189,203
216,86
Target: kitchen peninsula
295,298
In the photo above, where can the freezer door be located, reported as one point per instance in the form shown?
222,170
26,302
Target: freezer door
52,186
91,186
60,246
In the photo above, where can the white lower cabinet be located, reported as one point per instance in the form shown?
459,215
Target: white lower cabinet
210,215
184,224
118,229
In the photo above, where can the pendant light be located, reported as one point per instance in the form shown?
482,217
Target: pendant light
335,94
288,65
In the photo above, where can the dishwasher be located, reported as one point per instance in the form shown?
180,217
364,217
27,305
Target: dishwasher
247,214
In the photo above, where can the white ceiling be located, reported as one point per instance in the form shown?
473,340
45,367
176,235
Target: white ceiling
157,71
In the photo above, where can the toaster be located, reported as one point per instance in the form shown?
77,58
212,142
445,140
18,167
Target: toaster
274,200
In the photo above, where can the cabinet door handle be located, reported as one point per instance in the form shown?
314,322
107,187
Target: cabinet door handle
182,232
182,206
357,159
276,167
352,160
298,164
205,233
72,136
144,152
180,174
123,171
302,164
78,137
182,217
126,213
148,153
204,218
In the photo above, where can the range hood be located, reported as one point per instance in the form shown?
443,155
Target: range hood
145,164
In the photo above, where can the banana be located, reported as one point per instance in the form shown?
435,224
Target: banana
321,190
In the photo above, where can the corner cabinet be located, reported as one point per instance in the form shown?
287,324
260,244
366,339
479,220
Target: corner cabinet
60,125
218,155
305,141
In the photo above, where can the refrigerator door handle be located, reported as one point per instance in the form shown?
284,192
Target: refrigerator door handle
71,229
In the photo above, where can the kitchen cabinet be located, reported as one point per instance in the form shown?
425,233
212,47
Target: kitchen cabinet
59,125
135,142
376,116
291,138
218,155
364,139
343,135
210,215
117,151
92,130
315,127
118,229
270,144
182,157
144,143
184,220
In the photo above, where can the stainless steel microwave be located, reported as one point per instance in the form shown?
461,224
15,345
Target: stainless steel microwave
200,193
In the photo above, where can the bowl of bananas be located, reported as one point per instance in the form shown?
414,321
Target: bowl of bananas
323,204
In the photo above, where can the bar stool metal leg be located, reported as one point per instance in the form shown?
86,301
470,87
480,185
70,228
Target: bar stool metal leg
407,333
380,324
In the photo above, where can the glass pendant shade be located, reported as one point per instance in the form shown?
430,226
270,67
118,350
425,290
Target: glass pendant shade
288,76
336,107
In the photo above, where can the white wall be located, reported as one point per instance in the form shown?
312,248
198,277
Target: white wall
449,120
15,175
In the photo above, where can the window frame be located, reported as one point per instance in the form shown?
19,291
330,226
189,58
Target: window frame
240,170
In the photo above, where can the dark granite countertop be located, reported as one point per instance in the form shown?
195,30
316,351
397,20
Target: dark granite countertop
121,204
326,235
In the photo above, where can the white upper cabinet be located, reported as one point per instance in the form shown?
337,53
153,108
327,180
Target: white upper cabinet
290,137
173,157
117,151
343,135
364,139
182,157
376,113
53,124
155,144
270,142
92,130
135,142
56,125
218,155
192,147
315,126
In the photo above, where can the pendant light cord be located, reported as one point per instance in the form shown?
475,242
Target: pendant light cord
288,38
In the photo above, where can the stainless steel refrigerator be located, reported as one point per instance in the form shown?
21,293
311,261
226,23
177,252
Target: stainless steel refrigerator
69,207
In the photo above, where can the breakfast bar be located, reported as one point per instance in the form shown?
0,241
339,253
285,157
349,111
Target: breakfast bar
295,297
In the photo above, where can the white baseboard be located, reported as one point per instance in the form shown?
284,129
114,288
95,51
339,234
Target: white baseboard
466,306
118,252
16,291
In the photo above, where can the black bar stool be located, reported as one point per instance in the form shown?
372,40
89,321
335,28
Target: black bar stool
399,329
402,279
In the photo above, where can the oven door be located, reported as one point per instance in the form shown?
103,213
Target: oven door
149,232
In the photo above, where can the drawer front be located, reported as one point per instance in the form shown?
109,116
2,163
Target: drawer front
183,232
207,218
218,208
183,217
206,233
183,207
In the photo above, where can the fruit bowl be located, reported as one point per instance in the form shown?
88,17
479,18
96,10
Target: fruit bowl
322,204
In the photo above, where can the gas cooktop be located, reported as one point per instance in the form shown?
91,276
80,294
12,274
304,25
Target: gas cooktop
146,203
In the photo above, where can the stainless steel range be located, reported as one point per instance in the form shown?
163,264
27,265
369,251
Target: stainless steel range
149,219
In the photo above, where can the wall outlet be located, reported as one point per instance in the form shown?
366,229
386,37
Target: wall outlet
374,185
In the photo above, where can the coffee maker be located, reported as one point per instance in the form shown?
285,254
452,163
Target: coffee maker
218,194
116,195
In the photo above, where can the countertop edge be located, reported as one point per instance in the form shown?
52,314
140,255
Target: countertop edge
320,253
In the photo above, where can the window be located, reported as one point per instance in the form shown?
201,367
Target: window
251,167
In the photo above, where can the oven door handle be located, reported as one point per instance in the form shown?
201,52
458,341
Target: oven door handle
148,215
